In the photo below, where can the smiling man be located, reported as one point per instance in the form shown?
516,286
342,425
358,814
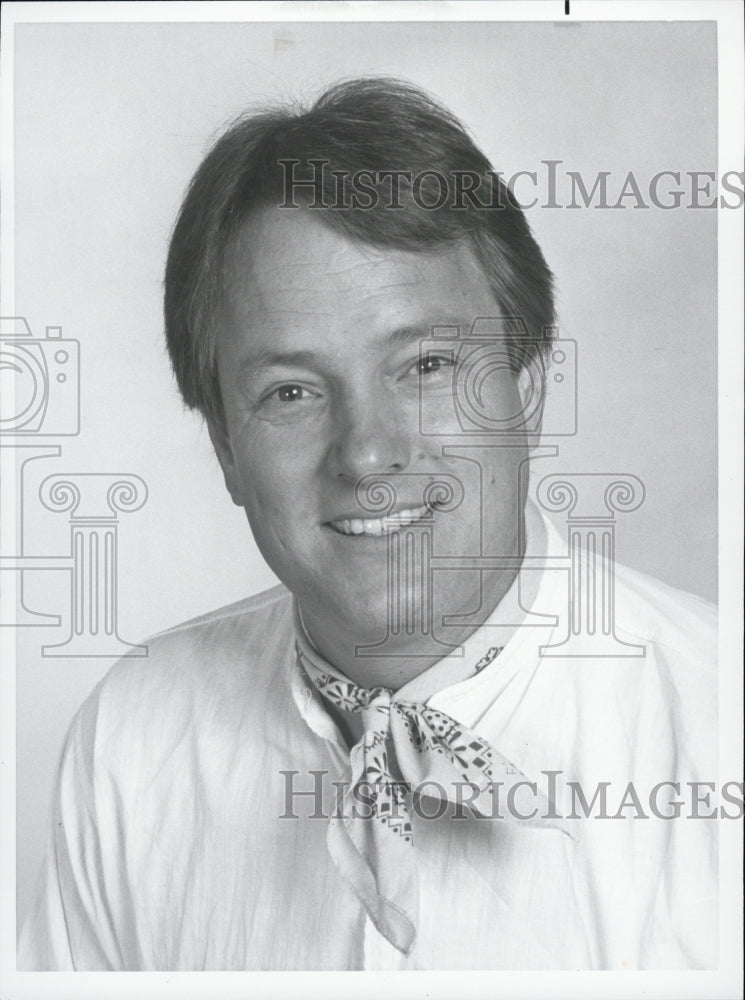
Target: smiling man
378,763
321,377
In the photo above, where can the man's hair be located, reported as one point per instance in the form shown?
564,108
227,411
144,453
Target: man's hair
373,125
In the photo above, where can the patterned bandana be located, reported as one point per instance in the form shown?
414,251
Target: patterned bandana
371,839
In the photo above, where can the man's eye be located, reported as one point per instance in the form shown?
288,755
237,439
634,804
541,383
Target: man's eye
289,393
288,401
432,364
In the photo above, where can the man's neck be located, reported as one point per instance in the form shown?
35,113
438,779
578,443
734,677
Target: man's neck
392,670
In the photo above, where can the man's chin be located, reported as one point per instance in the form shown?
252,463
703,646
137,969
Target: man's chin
362,614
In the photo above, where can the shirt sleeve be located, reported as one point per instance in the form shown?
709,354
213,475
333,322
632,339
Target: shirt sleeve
70,925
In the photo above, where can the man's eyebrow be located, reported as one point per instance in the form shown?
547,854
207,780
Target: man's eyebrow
404,335
277,359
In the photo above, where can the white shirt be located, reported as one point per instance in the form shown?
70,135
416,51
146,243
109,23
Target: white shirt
171,846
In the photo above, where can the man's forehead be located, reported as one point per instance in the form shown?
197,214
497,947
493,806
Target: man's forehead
285,252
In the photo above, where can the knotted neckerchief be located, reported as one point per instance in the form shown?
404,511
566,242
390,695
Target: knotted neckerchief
372,841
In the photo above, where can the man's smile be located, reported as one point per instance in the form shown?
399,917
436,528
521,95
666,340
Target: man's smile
382,525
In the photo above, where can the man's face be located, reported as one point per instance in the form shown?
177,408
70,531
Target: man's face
322,383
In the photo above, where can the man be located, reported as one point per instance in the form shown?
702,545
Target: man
376,764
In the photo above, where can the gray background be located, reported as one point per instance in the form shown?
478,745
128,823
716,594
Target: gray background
112,119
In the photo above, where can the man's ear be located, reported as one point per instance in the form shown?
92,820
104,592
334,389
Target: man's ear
221,443
531,386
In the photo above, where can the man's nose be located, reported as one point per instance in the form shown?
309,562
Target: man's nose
370,437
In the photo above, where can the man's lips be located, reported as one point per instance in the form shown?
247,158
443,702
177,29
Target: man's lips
382,525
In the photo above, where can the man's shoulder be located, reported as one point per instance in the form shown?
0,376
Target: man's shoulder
250,617
204,687
652,611
653,702
226,653
676,675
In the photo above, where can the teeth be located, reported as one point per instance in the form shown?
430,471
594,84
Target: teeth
381,525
